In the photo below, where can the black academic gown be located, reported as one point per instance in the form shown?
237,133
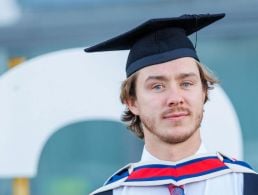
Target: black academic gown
250,184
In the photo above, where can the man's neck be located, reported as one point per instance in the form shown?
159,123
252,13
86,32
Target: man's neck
174,152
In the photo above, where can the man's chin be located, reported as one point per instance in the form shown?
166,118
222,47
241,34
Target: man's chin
175,139
178,135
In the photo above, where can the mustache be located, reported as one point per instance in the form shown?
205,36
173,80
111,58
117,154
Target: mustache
176,110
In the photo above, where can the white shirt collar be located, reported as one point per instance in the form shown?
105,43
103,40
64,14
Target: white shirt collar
147,156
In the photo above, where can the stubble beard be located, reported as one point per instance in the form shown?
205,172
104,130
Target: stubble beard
151,126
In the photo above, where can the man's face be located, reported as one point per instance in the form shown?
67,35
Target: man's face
169,100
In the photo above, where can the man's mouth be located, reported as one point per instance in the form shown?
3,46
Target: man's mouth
176,115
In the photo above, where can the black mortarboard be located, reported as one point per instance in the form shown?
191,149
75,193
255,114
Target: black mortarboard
158,40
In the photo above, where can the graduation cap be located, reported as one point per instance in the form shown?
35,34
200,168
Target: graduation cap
158,40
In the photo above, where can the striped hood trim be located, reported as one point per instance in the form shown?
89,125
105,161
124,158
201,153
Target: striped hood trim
197,168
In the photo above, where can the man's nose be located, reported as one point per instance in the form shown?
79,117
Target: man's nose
174,97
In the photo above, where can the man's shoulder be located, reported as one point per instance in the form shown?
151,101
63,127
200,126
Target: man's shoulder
109,192
113,182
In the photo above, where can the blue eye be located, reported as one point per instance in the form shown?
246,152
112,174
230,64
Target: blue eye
186,84
158,87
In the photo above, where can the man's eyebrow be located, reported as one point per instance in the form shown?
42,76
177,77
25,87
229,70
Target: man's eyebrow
186,75
156,77
178,77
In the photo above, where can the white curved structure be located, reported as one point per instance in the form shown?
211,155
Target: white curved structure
220,129
46,93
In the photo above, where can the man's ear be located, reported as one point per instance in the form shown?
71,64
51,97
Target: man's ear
205,95
132,105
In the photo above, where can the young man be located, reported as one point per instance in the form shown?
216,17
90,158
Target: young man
165,91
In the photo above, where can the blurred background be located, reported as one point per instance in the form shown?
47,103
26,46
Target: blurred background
69,164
